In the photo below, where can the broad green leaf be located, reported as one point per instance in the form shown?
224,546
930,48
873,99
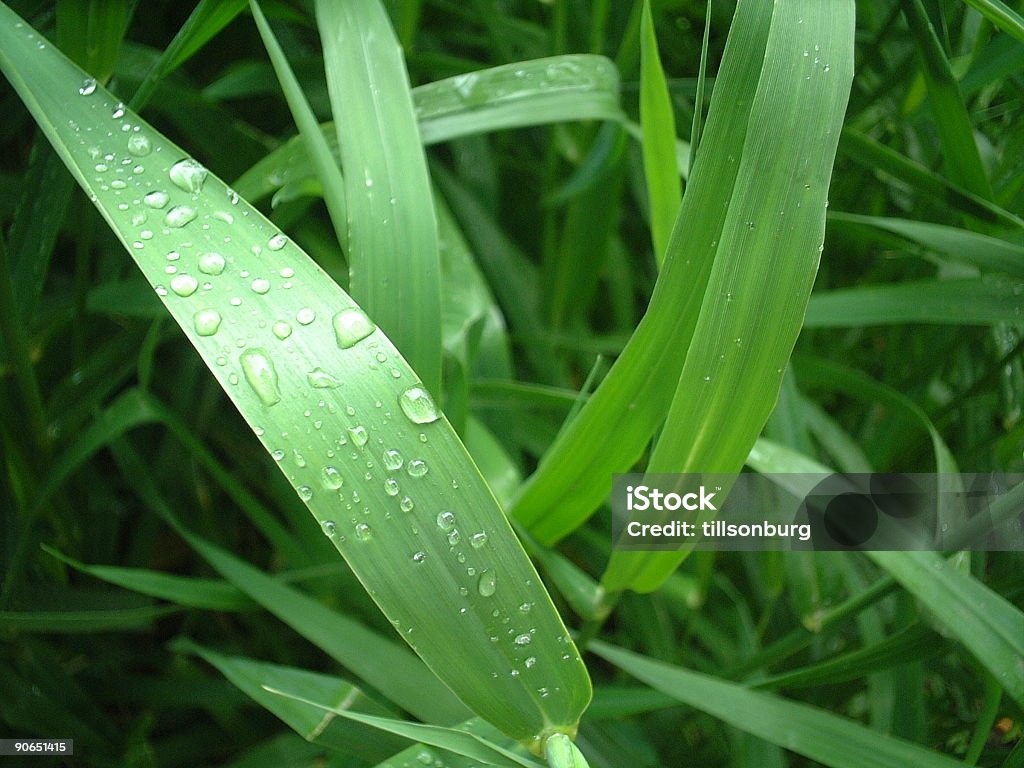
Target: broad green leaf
767,258
946,302
986,623
658,124
814,733
329,394
394,266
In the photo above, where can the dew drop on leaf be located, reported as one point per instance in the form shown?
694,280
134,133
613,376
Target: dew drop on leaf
282,330
417,468
418,405
212,263
188,175
352,326
305,316
363,532
487,585
331,478
179,216
139,145
206,322
259,372
317,378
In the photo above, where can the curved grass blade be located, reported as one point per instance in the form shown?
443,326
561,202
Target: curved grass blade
809,731
328,394
535,92
394,265
768,255
1000,14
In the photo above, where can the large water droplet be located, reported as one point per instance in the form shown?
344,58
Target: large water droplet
277,242
454,537
393,460
305,492
487,585
260,285
331,478
419,557
391,487
139,145
259,371
88,87
179,216
282,330
156,199
206,322
212,263
446,521
352,326
317,378
188,175
305,316
406,504
359,435
329,528
417,468
363,532
523,639
478,540
418,405
184,285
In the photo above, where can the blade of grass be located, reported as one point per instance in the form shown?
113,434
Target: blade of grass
945,302
574,476
1000,14
658,124
395,269
309,348
814,733
554,89
754,304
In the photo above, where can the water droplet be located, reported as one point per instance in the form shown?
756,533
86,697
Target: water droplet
359,435
352,326
139,145
418,405
206,322
211,263
417,468
454,537
393,460
329,528
184,285
88,87
363,532
523,639
277,242
179,216
446,521
406,504
188,175
305,316
477,540
300,460
261,375
530,661
282,330
391,487
331,478
487,585
305,492
525,607
317,378
419,557
260,286
277,454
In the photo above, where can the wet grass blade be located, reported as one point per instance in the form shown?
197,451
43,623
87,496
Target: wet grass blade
658,124
394,266
355,432
757,293
553,89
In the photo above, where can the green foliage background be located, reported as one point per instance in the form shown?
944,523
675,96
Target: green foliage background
159,572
